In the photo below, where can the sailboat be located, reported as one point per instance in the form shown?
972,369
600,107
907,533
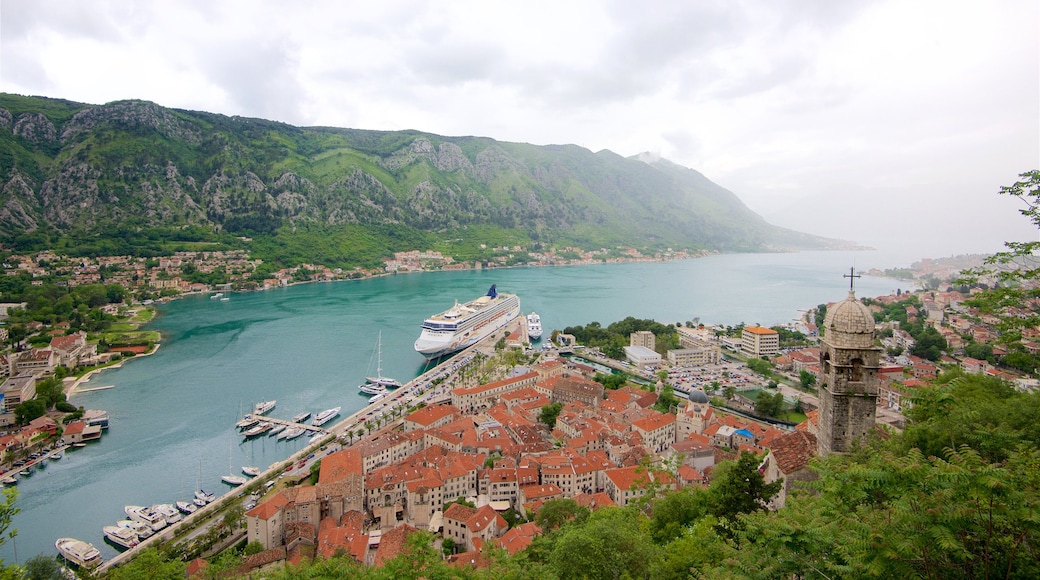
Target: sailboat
232,479
379,380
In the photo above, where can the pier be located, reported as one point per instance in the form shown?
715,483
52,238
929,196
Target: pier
312,428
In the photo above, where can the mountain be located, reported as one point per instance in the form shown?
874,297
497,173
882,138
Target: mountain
77,171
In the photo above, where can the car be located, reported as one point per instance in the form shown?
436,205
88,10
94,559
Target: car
250,505
311,456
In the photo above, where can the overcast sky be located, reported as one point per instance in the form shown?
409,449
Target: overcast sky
890,123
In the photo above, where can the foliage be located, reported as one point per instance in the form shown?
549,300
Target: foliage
556,512
43,567
550,413
760,366
667,400
769,404
613,381
149,563
616,336
807,379
29,410
739,488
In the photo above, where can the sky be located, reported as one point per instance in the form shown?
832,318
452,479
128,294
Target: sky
890,123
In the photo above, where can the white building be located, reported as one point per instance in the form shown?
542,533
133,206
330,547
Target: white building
641,356
759,341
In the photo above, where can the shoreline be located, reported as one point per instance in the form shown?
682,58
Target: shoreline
72,387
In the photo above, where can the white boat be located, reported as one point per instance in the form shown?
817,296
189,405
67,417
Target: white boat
276,429
247,422
251,471
233,480
57,455
186,507
78,552
288,431
146,516
317,437
463,325
263,407
257,430
372,389
301,417
168,512
204,496
9,480
120,536
293,432
216,296
140,529
379,379
325,416
534,326
224,299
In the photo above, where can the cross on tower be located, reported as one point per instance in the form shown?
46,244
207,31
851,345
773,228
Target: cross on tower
852,275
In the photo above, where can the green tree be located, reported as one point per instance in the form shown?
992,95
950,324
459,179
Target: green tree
807,379
253,547
769,404
550,413
43,567
611,544
672,513
149,563
29,410
234,516
556,512
739,488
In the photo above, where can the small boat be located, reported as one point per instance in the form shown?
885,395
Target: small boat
251,470
259,429
286,432
317,437
378,397
168,512
26,472
372,389
199,502
9,480
78,552
57,455
233,480
205,496
247,422
120,536
79,445
326,416
146,516
186,507
224,299
276,429
216,296
293,433
301,417
263,407
140,529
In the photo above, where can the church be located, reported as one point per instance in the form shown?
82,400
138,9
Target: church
850,363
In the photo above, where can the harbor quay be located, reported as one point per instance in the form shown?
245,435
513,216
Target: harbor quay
412,392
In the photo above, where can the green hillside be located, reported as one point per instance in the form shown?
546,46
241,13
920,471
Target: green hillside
127,176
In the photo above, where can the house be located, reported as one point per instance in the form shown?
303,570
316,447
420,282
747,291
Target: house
789,460
625,484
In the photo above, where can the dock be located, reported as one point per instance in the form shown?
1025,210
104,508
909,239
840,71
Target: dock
312,428
101,388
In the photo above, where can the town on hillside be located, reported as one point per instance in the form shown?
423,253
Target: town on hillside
474,463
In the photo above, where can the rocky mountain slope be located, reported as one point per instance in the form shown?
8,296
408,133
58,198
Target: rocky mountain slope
76,169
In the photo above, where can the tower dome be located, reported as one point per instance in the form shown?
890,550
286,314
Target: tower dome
849,324
697,396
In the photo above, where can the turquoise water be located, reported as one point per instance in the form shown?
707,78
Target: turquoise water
309,346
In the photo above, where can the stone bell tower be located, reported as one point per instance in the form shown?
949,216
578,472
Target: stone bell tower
849,361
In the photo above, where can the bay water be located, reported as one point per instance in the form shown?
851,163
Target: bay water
309,346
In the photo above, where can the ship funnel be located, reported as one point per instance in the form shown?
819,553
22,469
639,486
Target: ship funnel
492,292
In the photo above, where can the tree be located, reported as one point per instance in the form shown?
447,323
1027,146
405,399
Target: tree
556,512
667,399
550,413
769,404
253,547
739,488
42,567
807,378
29,410
234,517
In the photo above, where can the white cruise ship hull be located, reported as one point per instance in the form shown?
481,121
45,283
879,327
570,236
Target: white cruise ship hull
433,342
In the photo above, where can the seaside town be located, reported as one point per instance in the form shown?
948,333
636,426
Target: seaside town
473,462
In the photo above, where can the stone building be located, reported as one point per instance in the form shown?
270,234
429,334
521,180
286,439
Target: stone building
849,362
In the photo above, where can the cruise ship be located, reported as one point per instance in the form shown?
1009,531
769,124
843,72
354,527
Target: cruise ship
462,325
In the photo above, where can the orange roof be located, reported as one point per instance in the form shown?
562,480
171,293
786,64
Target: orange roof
430,415
760,330
519,537
269,508
340,465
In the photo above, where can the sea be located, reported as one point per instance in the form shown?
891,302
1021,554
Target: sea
309,346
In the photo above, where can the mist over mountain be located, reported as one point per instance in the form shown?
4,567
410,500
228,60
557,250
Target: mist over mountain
77,170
